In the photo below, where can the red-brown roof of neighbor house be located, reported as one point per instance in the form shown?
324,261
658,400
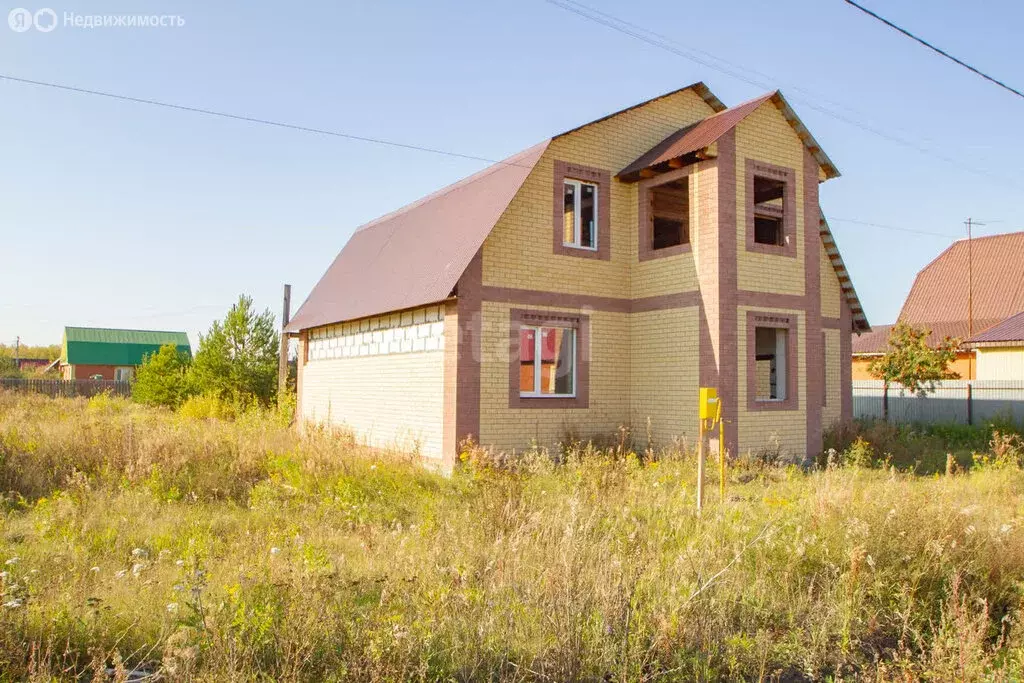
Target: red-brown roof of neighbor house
940,289
877,340
938,299
1009,330
417,254
702,134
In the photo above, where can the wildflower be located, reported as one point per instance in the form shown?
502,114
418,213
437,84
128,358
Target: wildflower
95,570
14,604
172,607
275,550
180,563
139,552
137,568
870,560
1005,529
373,467
4,576
178,587
120,573
12,561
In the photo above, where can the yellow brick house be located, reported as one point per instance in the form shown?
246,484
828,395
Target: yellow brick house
595,281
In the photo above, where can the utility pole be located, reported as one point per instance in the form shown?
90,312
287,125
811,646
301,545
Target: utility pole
282,361
17,351
970,286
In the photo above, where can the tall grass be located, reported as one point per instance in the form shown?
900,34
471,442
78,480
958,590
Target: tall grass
207,550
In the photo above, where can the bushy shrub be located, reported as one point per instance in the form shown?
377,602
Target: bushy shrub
162,379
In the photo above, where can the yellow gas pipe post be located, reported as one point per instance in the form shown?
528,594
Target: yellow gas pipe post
709,413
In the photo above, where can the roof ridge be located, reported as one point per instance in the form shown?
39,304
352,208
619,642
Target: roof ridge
958,240
121,329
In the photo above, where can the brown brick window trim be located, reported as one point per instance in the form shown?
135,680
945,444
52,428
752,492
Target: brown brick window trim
760,169
757,319
645,224
603,179
581,323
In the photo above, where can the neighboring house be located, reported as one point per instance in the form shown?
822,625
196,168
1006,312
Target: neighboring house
32,364
1000,349
97,353
594,281
991,268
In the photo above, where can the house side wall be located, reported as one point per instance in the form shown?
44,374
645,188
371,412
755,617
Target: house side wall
831,411
653,302
81,371
664,375
1000,363
381,377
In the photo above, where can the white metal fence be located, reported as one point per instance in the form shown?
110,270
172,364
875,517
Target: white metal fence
962,401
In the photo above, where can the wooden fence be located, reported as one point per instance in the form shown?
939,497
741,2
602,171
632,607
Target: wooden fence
67,387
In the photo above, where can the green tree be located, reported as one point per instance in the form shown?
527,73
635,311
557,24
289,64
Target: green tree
161,380
237,358
909,361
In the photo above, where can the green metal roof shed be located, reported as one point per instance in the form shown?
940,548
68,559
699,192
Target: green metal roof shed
99,346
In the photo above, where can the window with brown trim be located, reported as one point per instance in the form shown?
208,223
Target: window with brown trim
771,208
670,214
548,366
771,361
582,225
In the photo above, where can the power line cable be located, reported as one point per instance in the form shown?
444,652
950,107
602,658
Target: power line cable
833,219
735,71
251,119
933,48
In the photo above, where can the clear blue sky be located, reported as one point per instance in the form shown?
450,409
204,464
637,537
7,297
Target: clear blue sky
122,215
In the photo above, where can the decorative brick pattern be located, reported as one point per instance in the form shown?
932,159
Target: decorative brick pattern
413,331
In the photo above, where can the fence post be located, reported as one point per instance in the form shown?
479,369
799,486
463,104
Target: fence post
970,403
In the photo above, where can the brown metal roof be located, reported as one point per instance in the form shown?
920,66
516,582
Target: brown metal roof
1010,330
940,289
693,138
415,255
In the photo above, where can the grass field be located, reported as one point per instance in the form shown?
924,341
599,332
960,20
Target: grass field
211,550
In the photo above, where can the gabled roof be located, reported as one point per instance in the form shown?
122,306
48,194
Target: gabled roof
698,136
859,319
417,254
1009,330
106,346
996,269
